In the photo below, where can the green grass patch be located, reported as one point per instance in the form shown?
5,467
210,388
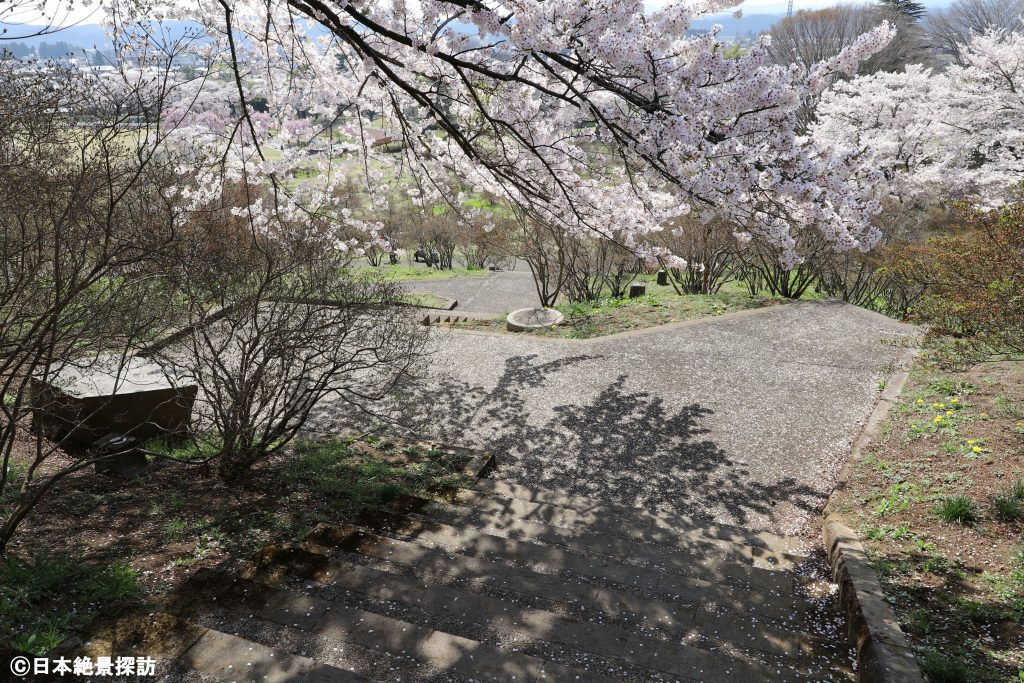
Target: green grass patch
184,449
1007,507
898,498
427,300
896,532
43,601
957,510
940,668
349,477
947,386
661,305
419,273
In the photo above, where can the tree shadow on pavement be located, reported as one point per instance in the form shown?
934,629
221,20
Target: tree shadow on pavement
621,446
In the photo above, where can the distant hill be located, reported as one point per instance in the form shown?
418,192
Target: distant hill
88,36
84,36
749,23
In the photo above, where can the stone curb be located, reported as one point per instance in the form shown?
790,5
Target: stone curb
480,465
480,462
883,653
637,332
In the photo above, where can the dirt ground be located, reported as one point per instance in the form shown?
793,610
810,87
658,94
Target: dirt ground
159,529
957,586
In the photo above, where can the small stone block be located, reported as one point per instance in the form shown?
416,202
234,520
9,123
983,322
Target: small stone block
82,403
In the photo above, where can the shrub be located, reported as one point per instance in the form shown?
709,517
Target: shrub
294,328
1017,489
710,249
975,275
957,510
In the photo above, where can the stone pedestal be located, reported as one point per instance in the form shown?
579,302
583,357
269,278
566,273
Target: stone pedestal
526,319
124,459
80,404
637,291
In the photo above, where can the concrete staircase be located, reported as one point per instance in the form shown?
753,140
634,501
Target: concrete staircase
433,317
509,583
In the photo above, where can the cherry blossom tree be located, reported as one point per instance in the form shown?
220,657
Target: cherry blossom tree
956,133
951,28
810,36
575,111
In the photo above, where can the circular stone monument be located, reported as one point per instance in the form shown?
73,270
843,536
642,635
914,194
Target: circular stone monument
526,319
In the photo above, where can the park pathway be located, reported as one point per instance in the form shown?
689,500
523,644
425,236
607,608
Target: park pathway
493,294
507,583
744,418
637,523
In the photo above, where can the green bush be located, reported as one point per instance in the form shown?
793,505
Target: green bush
957,510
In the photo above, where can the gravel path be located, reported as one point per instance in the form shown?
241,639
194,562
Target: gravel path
745,418
495,293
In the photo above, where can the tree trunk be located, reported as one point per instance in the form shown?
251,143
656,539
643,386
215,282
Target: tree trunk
234,466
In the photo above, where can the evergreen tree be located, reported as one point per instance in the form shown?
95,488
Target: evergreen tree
911,9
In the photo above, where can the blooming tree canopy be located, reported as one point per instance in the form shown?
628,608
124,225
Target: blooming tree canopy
957,133
598,116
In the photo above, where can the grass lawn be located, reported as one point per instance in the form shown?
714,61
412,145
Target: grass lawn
420,273
938,500
660,306
101,543
428,300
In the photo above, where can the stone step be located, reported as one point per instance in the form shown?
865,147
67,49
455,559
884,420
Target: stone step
378,664
641,517
231,658
675,602
339,623
702,558
759,602
602,640
573,511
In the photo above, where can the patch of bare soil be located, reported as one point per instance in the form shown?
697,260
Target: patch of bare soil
938,500
161,528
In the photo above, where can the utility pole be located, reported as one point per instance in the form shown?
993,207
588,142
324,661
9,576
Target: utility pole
789,9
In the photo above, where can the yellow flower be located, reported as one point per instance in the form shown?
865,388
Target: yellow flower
954,400
949,412
983,415
971,442
938,418
938,406
919,401
976,449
